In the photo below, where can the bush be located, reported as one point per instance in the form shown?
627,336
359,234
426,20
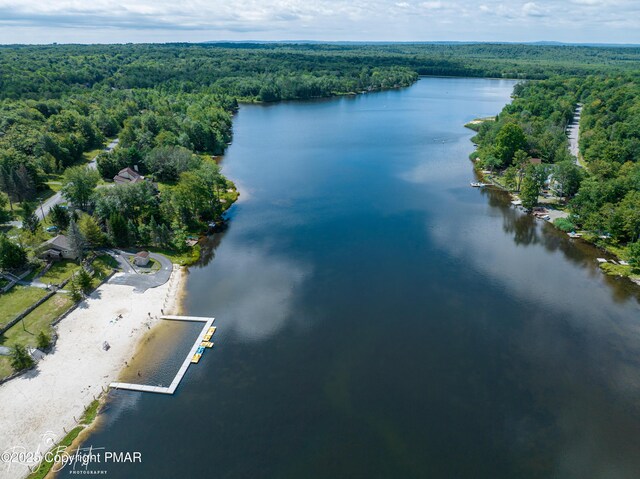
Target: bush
20,358
84,280
44,341
76,294
564,224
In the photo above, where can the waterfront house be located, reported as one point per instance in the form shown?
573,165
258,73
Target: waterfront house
57,248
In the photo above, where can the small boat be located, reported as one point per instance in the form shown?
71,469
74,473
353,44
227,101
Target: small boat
573,234
206,344
477,184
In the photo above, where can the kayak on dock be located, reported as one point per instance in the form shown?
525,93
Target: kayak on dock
209,333
196,357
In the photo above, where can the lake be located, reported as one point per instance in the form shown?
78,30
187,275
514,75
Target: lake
379,318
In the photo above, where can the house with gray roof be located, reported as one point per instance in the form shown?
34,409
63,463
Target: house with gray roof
57,248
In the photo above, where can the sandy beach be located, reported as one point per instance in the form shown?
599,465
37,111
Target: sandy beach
37,407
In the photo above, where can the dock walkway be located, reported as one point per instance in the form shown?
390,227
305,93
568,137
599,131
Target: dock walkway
185,364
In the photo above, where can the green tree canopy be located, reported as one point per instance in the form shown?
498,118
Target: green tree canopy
509,139
12,255
79,183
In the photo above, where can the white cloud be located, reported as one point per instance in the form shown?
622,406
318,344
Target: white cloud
533,10
432,5
401,20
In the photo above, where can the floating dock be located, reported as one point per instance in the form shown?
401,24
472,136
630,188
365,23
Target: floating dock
185,364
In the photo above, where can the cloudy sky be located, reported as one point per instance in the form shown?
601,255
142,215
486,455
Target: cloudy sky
114,21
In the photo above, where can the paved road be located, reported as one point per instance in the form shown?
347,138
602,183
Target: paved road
139,280
56,199
573,131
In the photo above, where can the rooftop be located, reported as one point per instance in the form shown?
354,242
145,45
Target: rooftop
59,242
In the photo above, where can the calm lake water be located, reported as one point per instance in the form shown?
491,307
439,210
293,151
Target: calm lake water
379,318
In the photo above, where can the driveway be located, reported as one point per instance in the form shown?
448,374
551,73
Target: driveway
131,275
43,209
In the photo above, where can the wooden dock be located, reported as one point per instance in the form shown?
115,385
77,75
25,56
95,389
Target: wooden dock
185,364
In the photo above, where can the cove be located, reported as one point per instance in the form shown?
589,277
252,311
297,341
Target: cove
377,317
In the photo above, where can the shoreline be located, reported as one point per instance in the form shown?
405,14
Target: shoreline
40,407
472,125
631,277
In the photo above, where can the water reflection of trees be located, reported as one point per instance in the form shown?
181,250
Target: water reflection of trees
208,246
527,230
523,227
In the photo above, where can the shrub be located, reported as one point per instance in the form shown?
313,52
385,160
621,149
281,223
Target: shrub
44,341
84,280
20,358
564,224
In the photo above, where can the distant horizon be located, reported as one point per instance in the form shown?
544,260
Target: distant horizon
615,22
550,43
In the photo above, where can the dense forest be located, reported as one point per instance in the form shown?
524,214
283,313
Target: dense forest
602,191
284,71
171,107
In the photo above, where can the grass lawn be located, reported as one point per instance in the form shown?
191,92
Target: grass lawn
103,265
151,267
91,154
17,300
38,320
46,465
59,272
189,257
54,185
5,366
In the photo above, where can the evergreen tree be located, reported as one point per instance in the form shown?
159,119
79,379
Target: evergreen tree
59,216
4,214
118,230
164,235
20,358
154,232
84,279
132,231
77,240
91,231
30,221
24,184
44,341
74,291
